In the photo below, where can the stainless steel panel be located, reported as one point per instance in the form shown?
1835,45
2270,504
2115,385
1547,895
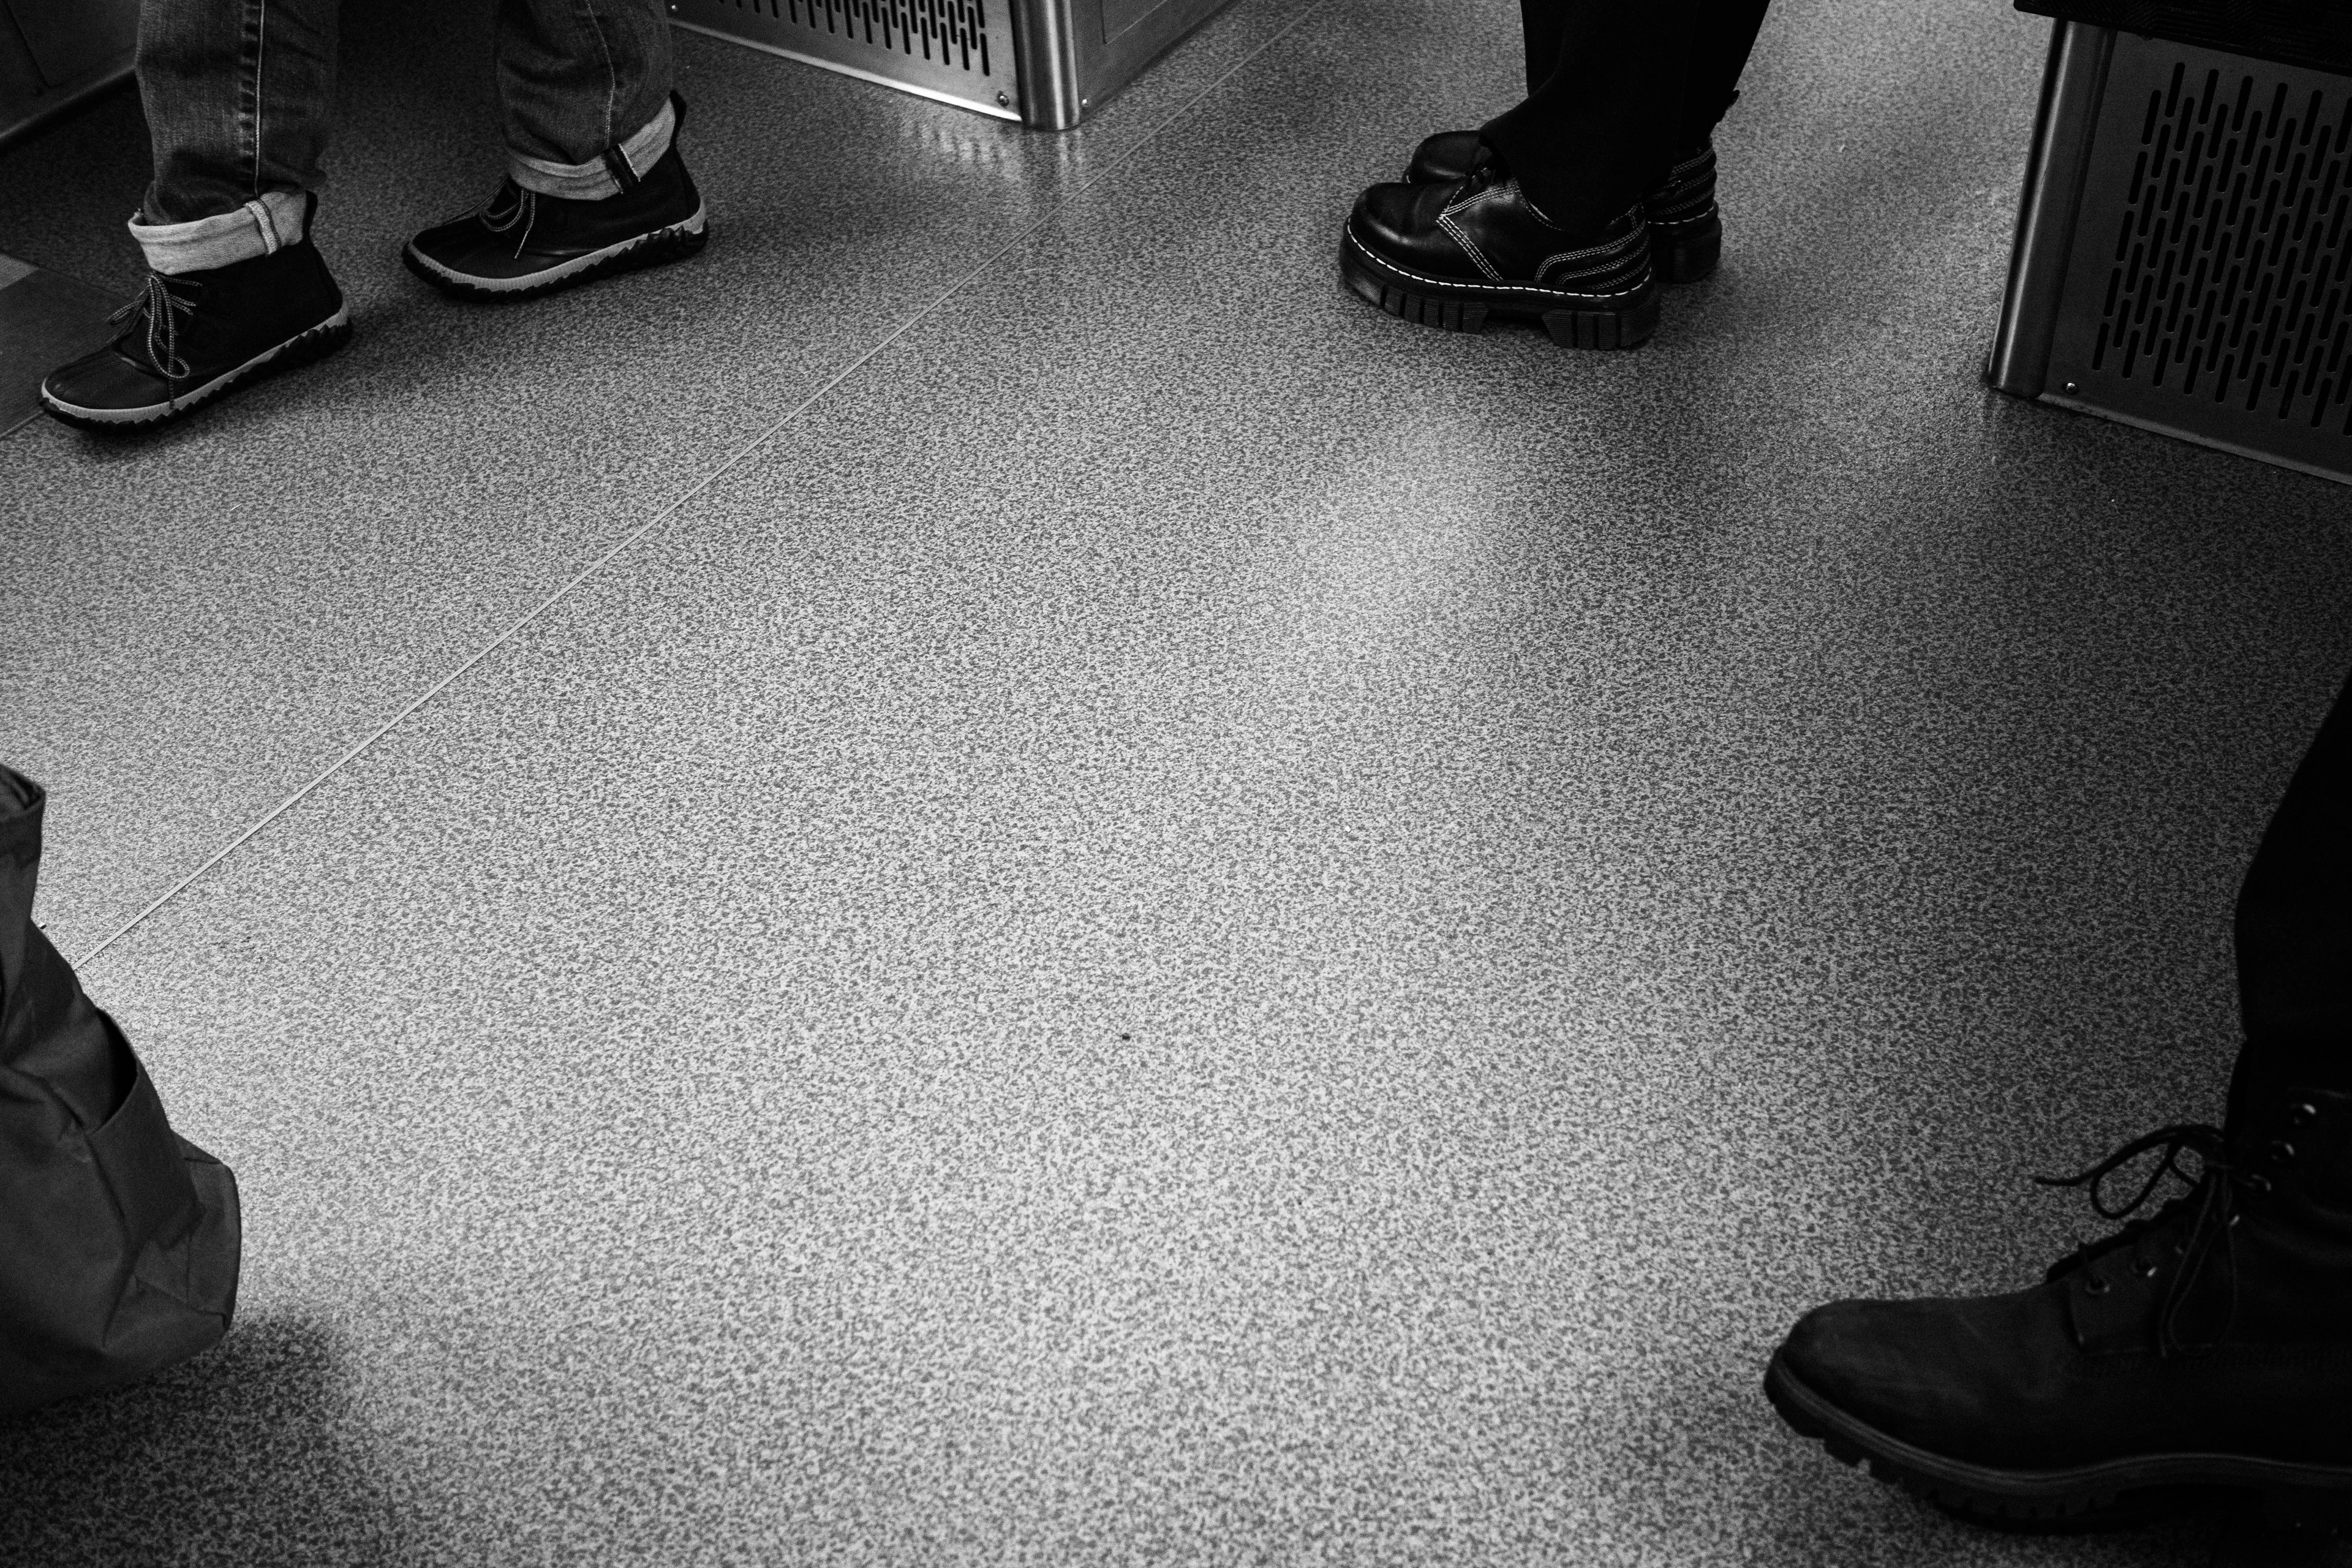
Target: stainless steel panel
1045,33
2209,288
1048,62
1116,41
1117,15
2071,85
958,51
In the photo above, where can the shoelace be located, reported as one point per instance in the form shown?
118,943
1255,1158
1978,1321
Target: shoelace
161,307
1483,171
2212,1199
525,212
1486,171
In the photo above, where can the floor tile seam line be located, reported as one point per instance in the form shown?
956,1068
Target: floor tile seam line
1112,165
735,460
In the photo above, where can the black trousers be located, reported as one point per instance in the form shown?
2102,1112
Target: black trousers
2295,927
1617,91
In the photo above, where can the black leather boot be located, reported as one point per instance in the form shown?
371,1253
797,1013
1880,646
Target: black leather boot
522,244
1452,255
2205,1351
192,338
1685,225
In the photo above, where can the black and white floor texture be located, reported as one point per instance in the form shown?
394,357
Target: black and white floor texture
990,878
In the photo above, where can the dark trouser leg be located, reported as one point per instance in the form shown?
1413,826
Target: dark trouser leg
2295,927
578,78
237,93
1617,90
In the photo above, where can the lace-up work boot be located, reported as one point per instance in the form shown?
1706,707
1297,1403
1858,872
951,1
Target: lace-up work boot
2206,1350
1452,255
522,244
1685,225
192,338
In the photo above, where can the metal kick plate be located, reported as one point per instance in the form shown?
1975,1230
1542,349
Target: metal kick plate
2208,290
958,51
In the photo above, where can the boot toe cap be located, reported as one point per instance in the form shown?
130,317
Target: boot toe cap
1399,223
103,382
1968,1378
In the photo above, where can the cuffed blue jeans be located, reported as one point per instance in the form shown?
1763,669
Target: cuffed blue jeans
237,94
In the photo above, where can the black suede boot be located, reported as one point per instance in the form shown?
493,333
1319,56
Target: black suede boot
2207,1350
192,338
1685,225
1452,255
520,243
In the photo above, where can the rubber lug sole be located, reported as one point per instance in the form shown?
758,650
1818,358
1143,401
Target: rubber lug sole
302,348
2312,1499
1572,326
675,243
1687,258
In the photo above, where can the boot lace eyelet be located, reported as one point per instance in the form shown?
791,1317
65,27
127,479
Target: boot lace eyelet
2282,1153
2190,1223
2303,1115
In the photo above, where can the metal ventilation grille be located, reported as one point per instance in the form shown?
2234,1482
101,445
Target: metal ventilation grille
950,33
2232,258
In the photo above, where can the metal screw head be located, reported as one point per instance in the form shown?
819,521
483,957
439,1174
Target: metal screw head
1003,101
2072,389
1086,103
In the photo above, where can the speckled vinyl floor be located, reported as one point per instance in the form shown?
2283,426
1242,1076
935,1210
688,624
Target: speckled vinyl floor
993,879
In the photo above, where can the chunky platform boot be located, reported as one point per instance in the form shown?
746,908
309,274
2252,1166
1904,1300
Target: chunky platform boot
2202,1351
1453,255
1685,225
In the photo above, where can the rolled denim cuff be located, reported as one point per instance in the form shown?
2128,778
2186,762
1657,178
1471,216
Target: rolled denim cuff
271,221
595,180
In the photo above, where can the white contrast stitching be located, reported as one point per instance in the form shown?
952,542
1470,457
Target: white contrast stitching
1641,226
1407,272
1593,249
1446,221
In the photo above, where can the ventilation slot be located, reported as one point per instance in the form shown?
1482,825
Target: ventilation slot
952,34
2233,258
